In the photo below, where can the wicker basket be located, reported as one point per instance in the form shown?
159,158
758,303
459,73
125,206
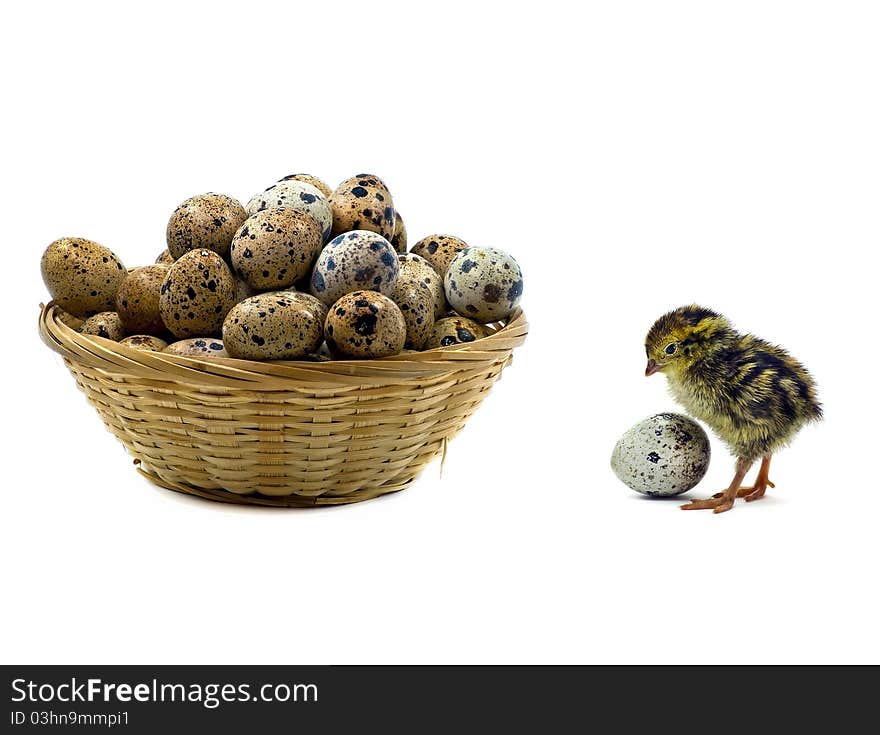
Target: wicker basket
283,433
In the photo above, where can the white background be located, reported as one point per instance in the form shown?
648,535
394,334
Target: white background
632,156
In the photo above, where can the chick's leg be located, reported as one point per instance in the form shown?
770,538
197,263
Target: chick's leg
762,481
756,491
724,502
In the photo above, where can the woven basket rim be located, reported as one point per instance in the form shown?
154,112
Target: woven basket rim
115,357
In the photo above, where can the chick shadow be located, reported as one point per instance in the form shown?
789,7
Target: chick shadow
768,500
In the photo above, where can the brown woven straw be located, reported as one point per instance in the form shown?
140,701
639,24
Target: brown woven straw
283,433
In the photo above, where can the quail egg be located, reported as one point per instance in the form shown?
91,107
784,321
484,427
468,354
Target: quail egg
455,330
165,258
206,221
273,326
417,306
106,324
137,301
666,454
365,324
144,342
358,260
307,301
197,347
363,202
82,276
439,250
416,269
484,284
275,247
398,239
319,184
296,195
196,294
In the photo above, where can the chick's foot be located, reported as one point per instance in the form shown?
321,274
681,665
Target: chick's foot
717,504
751,492
723,502
758,490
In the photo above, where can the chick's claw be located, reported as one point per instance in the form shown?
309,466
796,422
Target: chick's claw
758,491
751,492
747,492
717,504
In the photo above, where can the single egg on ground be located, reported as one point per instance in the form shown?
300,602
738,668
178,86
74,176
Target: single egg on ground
666,454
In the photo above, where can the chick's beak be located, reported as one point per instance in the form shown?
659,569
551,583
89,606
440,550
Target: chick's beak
652,368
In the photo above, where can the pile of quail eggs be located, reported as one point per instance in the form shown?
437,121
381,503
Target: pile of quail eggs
301,272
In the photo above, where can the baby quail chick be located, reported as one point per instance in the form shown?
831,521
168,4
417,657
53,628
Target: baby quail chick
753,394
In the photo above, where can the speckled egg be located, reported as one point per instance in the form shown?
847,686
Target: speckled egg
363,202
196,295
666,454
106,324
439,250
144,342
165,258
417,306
365,324
81,275
197,347
398,239
353,261
296,195
319,184
206,221
484,284
418,270
455,330
273,326
275,247
137,301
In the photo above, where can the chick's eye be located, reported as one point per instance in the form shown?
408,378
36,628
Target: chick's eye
670,349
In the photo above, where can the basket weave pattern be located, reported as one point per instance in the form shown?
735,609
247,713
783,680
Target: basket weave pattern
283,433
